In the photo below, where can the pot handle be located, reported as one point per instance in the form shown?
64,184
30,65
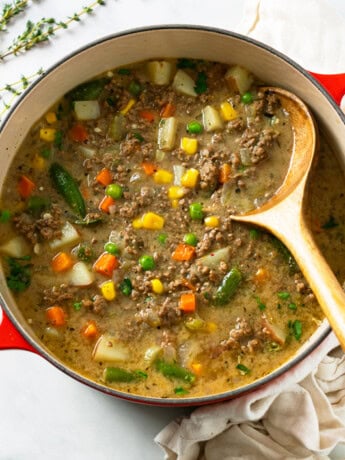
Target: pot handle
333,83
10,338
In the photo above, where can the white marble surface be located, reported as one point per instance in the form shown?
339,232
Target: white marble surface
44,413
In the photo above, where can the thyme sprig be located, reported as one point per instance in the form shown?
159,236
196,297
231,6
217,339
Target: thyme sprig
15,89
10,10
44,29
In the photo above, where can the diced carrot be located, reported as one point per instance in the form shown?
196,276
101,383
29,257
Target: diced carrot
25,187
106,203
224,173
56,315
168,110
261,276
183,252
197,369
62,262
149,168
90,330
78,133
147,115
104,177
188,302
106,264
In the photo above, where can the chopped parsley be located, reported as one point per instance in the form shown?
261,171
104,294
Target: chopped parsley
244,370
19,277
260,303
331,223
201,83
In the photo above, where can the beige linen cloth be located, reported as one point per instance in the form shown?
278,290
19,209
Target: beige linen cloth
300,415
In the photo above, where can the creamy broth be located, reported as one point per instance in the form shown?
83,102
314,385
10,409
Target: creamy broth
119,245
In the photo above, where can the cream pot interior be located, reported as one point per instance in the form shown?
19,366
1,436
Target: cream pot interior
139,45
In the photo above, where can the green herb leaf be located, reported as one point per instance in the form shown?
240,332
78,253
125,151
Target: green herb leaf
201,83
244,370
19,277
331,223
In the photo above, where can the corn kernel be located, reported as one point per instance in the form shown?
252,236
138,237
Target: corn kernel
51,117
38,162
174,204
108,290
137,223
228,112
128,107
190,178
211,326
175,192
152,221
197,368
162,176
157,286
47,134
212,221
189,145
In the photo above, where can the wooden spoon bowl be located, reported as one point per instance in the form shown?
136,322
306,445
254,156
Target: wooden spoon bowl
284,216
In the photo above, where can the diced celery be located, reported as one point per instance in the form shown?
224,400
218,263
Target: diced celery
87,110
167,133
152,353
160,72
239,79
108,349
184,83
211,119
117,127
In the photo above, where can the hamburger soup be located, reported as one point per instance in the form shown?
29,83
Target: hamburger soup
117,241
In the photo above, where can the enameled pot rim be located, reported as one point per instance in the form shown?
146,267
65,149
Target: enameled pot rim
171,401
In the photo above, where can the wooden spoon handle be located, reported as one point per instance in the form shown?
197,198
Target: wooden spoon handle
287,223
320,277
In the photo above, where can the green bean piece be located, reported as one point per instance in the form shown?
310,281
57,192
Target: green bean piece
117,374
67,188
228,287
173,370
89,91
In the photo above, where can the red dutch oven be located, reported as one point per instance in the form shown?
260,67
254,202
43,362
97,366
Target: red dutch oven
322,93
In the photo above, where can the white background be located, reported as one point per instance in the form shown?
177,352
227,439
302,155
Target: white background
43,413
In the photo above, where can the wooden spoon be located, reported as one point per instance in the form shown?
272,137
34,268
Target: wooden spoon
283,215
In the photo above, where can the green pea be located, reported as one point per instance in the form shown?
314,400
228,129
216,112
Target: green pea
162,238
5,216
147,262
191,239
195,211
194,127
112,248
134,88
114,191
247,98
